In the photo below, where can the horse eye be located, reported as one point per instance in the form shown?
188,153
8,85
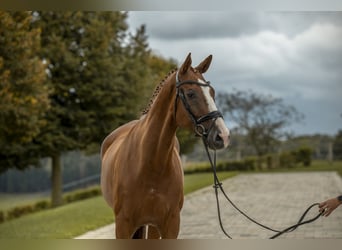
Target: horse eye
191,94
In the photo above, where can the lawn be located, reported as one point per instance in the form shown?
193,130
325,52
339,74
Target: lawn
192,182
79,217
317,165
63,222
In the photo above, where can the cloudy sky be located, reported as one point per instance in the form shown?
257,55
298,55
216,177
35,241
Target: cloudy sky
293,55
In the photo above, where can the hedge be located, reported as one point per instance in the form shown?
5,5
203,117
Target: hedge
2,216
19,211
303,155
284,160
81,195
41,205
245,165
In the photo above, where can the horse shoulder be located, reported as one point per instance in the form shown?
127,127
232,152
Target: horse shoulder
108,141
108,148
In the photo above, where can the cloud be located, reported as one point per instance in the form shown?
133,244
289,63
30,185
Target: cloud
184,25
173,25
311,57
295,56
321,44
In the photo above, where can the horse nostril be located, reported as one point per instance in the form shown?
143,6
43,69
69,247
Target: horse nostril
218,139
218,142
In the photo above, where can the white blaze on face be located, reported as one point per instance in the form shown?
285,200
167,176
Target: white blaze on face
224,131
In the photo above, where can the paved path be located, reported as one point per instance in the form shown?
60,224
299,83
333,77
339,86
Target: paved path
277,200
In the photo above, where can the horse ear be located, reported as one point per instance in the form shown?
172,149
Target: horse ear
203,66
186,64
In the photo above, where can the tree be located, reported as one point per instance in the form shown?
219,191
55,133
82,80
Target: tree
337,146
95,77
90,93
23,92
137,71
262,118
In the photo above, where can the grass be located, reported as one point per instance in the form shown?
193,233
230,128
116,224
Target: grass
316,166
62,222
194,182
79,217
76,218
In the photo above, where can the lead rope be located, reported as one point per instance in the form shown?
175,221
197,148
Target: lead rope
218,185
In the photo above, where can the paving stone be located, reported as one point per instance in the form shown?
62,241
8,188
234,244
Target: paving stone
277,200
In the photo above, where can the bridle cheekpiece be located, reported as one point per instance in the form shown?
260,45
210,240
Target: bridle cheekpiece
197,121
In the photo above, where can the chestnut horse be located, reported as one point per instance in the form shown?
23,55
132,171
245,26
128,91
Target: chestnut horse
141,175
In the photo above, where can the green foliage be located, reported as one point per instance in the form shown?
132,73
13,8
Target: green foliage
293,158
96,73
23,92
223,166
42,205
62,222
250,163
82,194
79,217
191,184
261,117
90,94
289,159
194,182
187,140
21,210
303,156
232,166
17,212
337,146
67,79
2,216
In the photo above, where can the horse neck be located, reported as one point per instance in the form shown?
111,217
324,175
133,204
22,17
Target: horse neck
159,125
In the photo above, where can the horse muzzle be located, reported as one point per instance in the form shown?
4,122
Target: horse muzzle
218,135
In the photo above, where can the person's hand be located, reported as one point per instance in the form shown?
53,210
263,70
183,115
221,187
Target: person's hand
328,206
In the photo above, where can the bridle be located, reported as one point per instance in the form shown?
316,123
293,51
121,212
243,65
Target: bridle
200,130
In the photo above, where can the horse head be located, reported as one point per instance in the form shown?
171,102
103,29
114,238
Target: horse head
195,106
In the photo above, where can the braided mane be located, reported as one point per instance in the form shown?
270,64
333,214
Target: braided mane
156,92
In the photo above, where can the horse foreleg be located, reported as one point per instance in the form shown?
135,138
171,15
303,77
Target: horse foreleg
153,233
124,229
170,229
